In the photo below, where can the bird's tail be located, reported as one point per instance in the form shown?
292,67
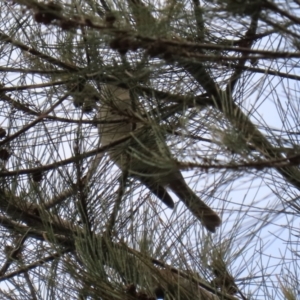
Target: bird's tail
203,212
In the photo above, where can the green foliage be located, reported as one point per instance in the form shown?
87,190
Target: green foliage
219,80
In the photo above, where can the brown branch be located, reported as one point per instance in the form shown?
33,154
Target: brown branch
4,89
263,71
35,264
30,285
8,40
145,42
258,165
13,253
272,6
277,162
33,71
41,117
247,43
65,162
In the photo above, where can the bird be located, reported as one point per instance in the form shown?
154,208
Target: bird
143,152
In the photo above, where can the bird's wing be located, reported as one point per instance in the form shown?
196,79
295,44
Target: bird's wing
158,190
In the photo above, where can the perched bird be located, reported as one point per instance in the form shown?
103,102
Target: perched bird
145,154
